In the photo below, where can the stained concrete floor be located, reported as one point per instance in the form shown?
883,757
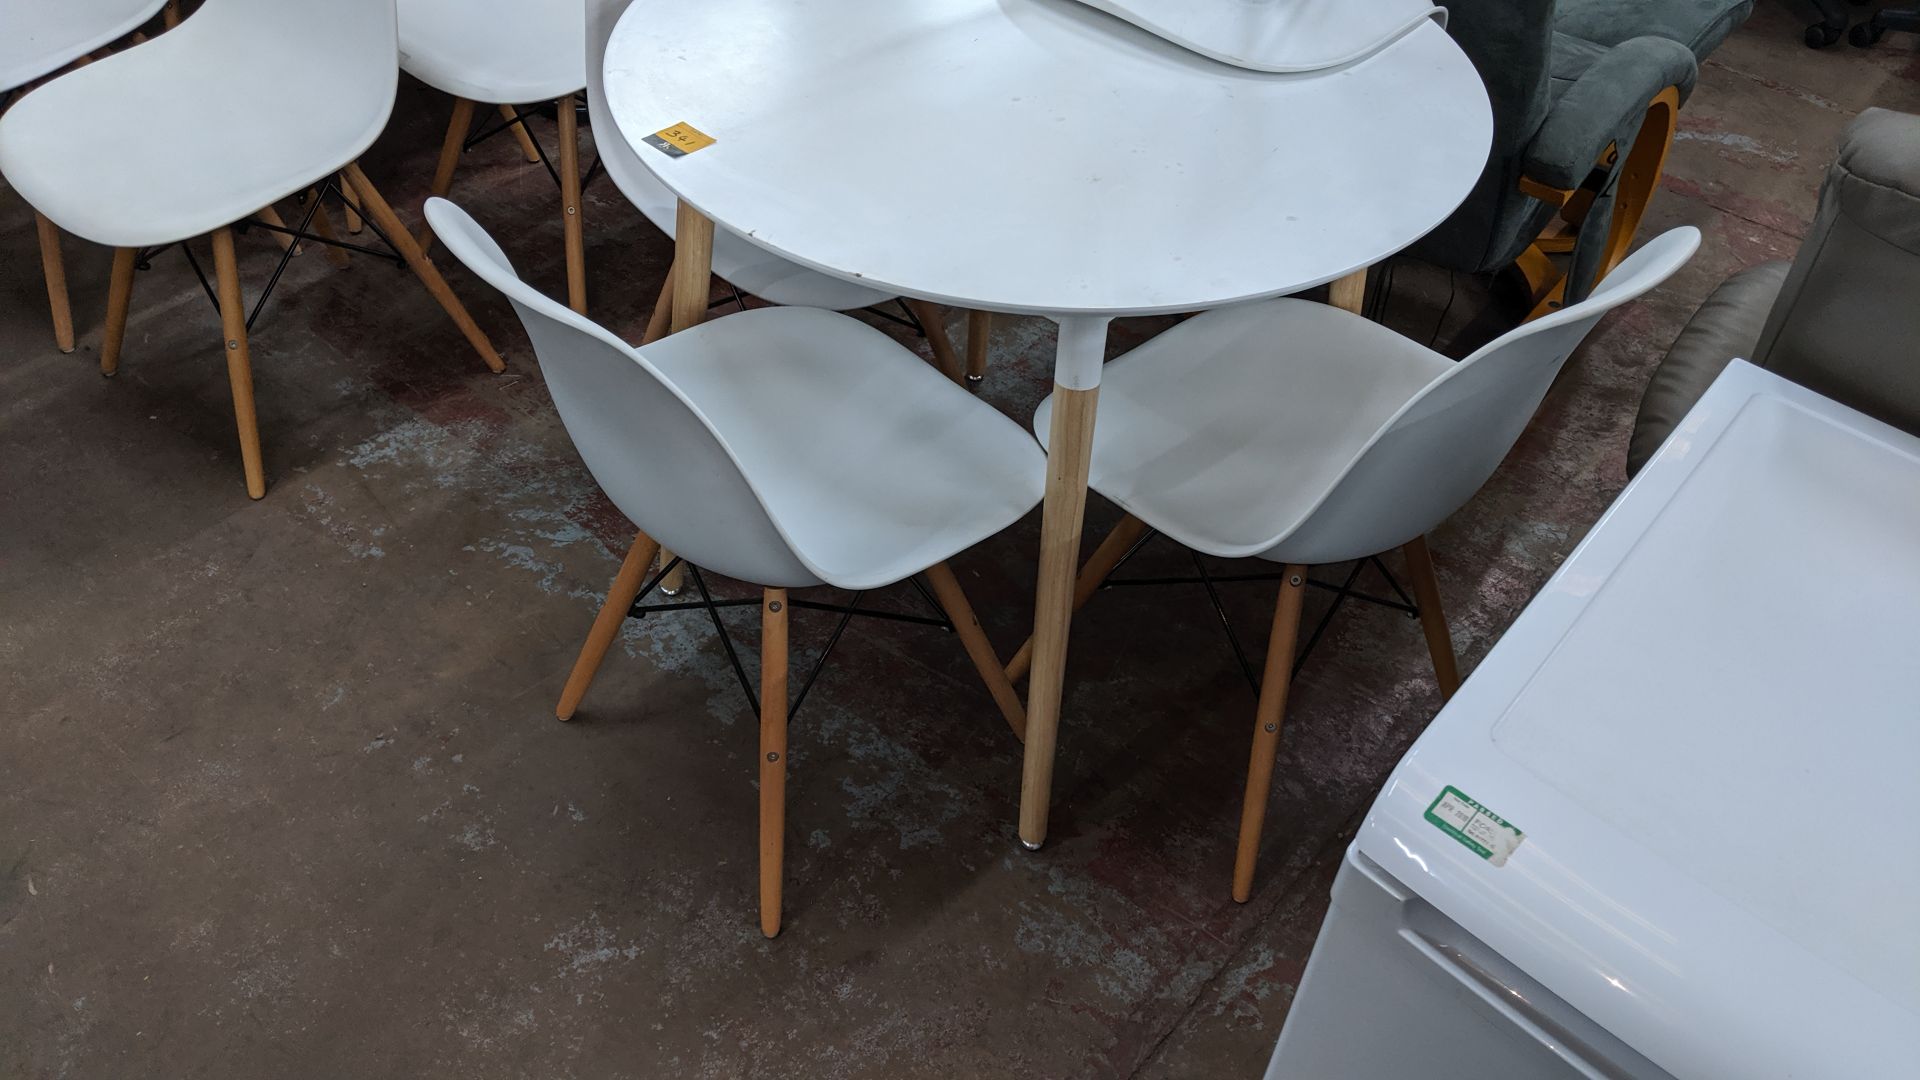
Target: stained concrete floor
281,794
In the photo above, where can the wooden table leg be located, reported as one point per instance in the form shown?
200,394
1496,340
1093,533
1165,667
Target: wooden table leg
979,332
54,268
233,325
691,279
1076,388
1349,293
1101,563
570,204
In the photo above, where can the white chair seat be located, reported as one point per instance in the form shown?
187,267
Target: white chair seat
39,37
193,130
872,465
496,51
1227,430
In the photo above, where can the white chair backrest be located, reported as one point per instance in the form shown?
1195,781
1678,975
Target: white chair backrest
649,448
1439,449
630,175
342,56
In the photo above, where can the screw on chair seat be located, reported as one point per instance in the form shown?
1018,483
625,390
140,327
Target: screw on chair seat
39,38
748,267
241,105
872,465
497,51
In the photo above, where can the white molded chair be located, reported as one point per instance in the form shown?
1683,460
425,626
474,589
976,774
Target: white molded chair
505,53
783,446
245,120
1302,434
745,265
37,39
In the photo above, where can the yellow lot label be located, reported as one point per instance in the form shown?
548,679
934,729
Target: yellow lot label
679,140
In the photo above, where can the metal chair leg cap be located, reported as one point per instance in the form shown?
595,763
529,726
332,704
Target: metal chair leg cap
1029,845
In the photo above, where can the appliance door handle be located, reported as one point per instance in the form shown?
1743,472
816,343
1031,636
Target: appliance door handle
1510,1003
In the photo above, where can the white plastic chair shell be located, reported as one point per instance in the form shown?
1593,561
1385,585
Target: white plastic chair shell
495,51
1277,35
748,267
783,446
39,37
1301,433
244,103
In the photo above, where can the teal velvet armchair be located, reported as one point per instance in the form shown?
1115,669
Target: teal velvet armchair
1586,95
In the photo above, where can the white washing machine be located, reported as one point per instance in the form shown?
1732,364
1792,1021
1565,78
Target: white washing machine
1670,828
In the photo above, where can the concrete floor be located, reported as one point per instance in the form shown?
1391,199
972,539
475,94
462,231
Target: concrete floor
281,794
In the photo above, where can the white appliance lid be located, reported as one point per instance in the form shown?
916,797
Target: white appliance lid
1680,791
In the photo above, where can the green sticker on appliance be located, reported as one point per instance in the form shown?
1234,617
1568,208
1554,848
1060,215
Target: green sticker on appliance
1479,829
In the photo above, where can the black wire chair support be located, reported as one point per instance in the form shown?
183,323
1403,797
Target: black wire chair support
640,610
1343,592
300,235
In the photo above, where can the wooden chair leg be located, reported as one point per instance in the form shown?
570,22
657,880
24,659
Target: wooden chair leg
272,217
450,149
1112,549
54,267
1275,681
233,325
323,224
351,203
119,299
383,216
570,204
1433,619
518,125
606,625
773,755
979,333
974,639
934,320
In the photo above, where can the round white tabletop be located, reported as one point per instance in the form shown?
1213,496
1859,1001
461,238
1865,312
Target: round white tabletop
1039,156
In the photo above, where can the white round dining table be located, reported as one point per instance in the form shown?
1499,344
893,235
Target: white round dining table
1044,158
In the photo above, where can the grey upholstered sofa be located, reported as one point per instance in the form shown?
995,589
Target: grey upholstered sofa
1842,319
